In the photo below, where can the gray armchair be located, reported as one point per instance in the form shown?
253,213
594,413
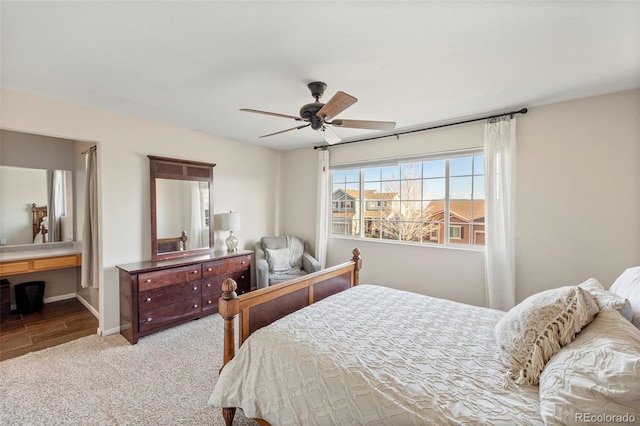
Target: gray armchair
282,258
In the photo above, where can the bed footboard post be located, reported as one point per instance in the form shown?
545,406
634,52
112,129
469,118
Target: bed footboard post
358,261
228,308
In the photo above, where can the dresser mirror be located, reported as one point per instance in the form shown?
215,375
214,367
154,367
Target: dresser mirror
181,206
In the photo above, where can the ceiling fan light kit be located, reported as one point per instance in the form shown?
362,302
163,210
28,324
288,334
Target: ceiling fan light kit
319,115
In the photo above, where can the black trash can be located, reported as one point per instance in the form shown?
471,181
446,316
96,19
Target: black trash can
29,297
5,299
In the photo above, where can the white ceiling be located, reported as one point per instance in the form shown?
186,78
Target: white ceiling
195,64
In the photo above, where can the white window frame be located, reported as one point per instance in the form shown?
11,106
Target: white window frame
427,240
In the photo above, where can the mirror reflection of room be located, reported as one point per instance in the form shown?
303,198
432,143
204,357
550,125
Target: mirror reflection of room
37,206
182,210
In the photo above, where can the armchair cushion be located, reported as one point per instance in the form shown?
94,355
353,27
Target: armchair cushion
294,245
278,259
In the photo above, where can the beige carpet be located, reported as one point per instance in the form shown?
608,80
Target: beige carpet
165,379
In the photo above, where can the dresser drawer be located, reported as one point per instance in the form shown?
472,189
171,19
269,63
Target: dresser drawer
162,315
210,300
160,296
150,280
225,266
242,279
212,287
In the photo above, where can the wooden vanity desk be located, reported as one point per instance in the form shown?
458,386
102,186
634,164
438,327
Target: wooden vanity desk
159,294
39,260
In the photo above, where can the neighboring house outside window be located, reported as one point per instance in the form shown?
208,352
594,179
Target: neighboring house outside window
413,200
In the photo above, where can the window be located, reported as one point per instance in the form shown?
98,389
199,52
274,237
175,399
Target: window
455,232
413,200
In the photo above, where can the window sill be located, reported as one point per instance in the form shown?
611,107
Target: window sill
408,243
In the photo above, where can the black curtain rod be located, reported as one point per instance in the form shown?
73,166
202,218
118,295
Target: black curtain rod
397,134
93,148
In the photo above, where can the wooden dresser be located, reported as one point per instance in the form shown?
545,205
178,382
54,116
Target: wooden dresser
156,295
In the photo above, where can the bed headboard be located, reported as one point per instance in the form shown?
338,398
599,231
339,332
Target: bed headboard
166,245
37,214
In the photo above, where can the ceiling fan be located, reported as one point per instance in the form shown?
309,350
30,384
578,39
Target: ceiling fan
320,116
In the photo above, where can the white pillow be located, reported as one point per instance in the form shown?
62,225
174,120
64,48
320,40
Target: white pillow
534,330
627,286
278,259
595,378
606,298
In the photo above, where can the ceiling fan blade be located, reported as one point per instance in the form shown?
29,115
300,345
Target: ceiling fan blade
365,124
288,130
257,111
336,105
330,136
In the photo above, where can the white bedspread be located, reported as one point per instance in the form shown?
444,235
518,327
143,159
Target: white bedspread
376,356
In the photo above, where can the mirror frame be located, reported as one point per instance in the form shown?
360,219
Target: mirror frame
171,168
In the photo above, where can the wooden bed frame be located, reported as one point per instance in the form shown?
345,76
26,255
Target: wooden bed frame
264,306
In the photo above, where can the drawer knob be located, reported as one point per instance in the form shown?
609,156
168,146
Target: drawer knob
208,269
242,277
243,262
149,319
208,284
148,299
209,302
195,306
195,272
195,288
148,280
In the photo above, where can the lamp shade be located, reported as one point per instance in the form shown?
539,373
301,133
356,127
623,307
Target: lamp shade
231,221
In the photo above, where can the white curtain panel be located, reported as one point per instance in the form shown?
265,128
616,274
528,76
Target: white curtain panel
322,218
90,235
500,167
197,219
57,203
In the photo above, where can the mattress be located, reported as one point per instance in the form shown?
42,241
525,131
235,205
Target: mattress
372,355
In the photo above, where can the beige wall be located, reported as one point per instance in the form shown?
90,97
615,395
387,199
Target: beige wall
577,171
245,179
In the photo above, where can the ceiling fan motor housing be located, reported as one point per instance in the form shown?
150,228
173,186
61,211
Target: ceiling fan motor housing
309,113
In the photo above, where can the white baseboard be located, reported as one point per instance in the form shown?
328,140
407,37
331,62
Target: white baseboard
88,306
59,298
114,330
